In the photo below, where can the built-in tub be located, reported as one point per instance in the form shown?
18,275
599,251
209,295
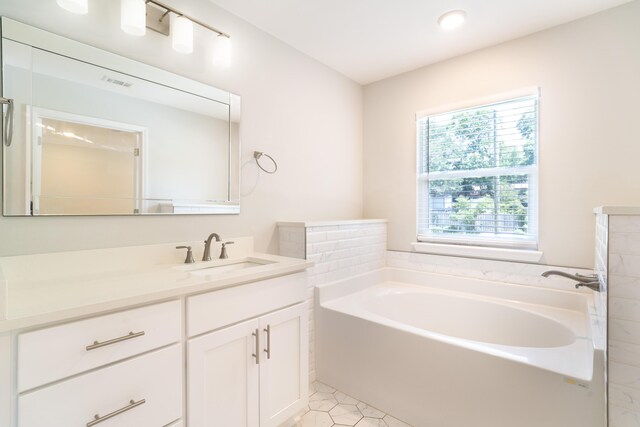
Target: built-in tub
447,351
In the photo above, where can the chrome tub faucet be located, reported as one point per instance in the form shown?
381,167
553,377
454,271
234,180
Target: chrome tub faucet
590,280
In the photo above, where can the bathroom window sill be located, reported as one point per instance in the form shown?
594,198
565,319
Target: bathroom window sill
484,252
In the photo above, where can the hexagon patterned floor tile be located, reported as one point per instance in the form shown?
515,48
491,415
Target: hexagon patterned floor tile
329,407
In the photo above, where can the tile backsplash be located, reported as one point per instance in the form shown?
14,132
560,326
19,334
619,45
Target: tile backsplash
500,271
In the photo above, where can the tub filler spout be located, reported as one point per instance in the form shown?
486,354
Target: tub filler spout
589,280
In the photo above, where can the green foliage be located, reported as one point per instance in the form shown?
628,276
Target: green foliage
485,205
527,128
464,215
465,142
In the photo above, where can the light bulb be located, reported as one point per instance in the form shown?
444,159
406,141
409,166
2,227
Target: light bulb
133,17
182,35
222,52
452,19
81,7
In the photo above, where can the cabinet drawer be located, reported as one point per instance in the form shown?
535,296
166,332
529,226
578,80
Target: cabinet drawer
153,383
216,309
57,352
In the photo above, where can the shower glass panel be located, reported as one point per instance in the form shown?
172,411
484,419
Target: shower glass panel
84,168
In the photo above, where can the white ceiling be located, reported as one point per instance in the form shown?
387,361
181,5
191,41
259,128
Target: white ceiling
368,40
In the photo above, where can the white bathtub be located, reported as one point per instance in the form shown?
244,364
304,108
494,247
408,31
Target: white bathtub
446,351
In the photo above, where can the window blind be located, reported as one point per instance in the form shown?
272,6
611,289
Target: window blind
477,172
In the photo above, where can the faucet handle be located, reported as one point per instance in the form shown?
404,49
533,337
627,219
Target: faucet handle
223,252
189,259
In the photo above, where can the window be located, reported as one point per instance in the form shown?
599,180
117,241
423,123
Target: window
477,172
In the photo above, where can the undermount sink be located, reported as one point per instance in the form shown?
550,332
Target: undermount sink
228,266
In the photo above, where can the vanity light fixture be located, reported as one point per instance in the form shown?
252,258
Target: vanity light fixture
182,31
222,52
182,36
452,19
81,7
138,15
133,17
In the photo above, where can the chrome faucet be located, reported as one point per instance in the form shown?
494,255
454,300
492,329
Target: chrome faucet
579,277
590,280
206,256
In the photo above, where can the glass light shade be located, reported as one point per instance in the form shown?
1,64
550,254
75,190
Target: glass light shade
133,17
222,52
81,7
182,35
452,19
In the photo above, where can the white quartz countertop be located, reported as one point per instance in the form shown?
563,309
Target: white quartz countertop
34,299
617,210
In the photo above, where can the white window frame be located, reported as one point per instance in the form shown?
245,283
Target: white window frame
520,249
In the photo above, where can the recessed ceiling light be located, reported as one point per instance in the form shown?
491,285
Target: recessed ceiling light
452,19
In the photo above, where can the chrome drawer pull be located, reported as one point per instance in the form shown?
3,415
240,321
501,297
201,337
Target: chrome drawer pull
257,353
268,349
98,419
130,335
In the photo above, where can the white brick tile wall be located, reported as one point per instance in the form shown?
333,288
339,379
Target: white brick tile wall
338,249
291,241
624,352
622,417
618,237
624,330
626,397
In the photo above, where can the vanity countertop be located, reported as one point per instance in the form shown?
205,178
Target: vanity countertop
37,297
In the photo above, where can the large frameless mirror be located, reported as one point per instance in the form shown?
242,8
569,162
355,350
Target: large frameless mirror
87,132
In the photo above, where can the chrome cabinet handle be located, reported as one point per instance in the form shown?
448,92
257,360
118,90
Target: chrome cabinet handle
257,353
8,121
268,349
130,335
98,419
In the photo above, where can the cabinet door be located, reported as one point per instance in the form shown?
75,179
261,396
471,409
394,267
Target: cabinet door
223,377
284,366
6,378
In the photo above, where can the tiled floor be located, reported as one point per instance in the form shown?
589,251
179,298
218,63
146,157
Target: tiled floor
330,407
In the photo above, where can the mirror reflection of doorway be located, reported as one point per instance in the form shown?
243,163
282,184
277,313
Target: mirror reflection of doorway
85,166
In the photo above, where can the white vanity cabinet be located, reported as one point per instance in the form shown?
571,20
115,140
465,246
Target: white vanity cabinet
253,373
223,352
250,374
145,391
57,352
6,374
138,383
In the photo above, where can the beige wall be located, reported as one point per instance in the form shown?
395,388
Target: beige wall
589,75
304,114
